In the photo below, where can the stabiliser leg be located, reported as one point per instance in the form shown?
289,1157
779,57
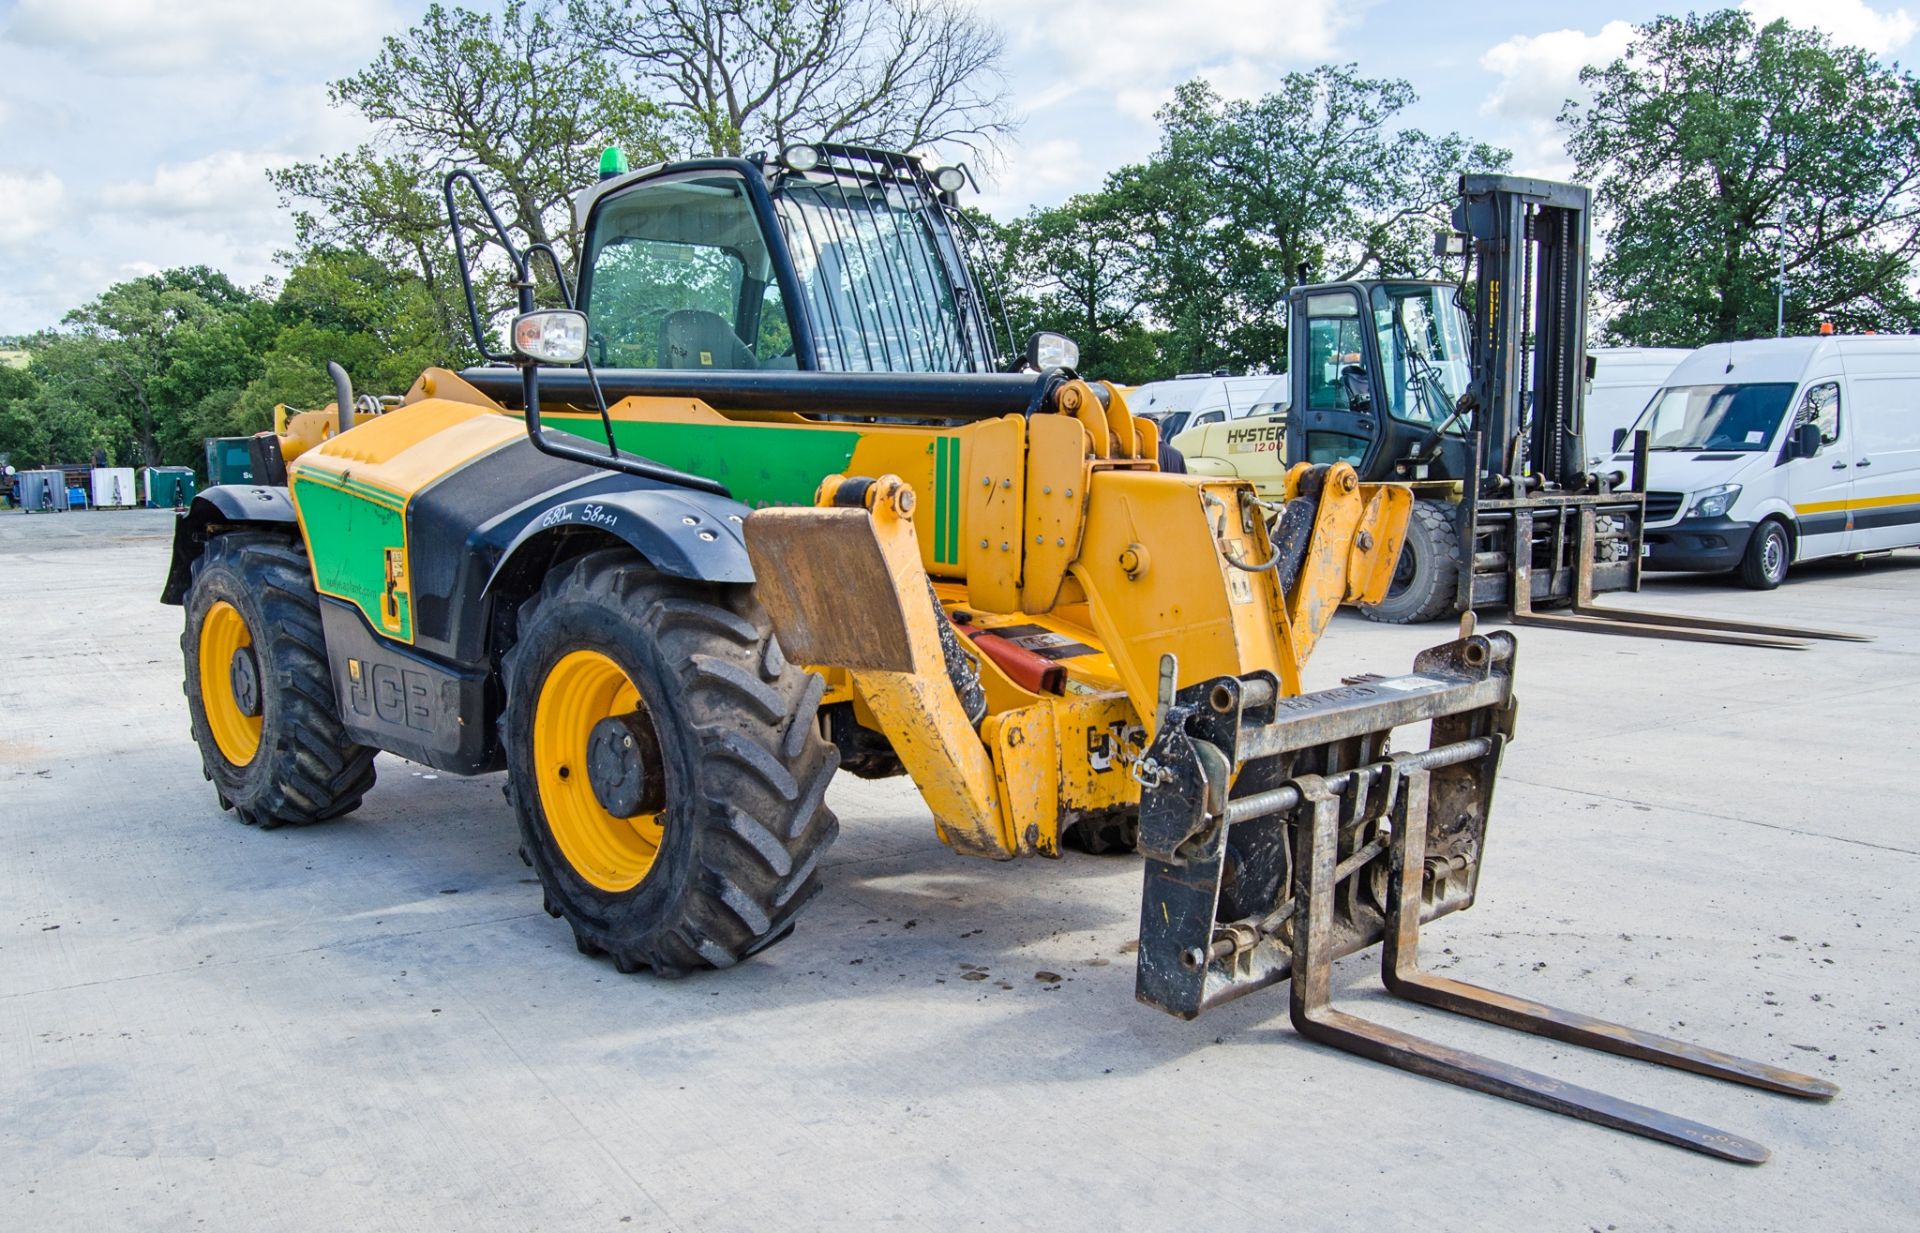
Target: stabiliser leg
1315,1018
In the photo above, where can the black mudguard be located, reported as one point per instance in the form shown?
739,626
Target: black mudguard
225,507
680,531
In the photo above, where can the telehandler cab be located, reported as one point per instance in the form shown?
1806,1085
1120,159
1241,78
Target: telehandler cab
779,406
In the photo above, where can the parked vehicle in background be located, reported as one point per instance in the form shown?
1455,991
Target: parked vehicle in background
1624,378
1247,447
1194,399
1764,453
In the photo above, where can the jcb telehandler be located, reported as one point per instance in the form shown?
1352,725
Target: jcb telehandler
778,406
1472,395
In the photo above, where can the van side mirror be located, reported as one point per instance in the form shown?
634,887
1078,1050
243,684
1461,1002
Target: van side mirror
1805,442
1619,439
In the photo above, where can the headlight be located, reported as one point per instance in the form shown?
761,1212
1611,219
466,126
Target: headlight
552,336
949,179
1045,350
801,158
1714,502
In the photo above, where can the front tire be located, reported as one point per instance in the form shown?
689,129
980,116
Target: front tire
665,765
1426,579
258,688
1769,553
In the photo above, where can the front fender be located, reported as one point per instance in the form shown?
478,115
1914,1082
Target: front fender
680,531
224,505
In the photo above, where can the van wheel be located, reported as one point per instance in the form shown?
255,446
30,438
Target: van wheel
1768,555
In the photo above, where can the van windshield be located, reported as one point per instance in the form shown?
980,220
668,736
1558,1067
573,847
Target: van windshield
1735,417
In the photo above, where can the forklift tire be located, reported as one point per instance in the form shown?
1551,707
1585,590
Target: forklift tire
1426,580
665,764
1764,564
258,688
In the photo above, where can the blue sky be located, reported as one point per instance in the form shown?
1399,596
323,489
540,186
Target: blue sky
134,134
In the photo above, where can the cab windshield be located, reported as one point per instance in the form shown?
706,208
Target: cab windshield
878,286
1737,417
678,275
1423,350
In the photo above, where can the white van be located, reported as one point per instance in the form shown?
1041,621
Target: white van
1624,378
1193,399
1781,450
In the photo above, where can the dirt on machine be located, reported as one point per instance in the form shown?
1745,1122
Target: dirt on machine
771,493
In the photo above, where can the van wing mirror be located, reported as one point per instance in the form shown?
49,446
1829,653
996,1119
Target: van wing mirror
1619,439
1806,440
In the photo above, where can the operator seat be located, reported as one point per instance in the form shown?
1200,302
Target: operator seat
695,338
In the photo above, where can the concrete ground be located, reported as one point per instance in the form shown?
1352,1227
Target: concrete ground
372,1025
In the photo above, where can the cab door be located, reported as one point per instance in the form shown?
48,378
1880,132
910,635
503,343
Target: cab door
1820,488
1337,406
1885,499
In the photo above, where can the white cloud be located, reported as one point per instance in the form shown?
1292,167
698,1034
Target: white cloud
1538,74
1139,46
224,185
163,36
31,204
1853,23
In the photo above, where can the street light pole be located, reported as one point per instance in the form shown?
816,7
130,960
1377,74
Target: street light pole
1780,300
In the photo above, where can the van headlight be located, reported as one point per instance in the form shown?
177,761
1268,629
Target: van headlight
1714,502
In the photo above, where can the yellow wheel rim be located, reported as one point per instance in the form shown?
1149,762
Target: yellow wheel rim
223,632
611,853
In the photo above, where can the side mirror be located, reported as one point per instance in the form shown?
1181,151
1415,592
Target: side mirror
1805,442
1619,439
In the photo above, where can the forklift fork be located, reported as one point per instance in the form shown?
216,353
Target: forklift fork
1408,872
1589,617
1281,834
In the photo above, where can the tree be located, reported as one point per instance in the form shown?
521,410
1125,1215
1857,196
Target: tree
1709,131
743,74
1187,259
1079,269
140,352
377,322
523,99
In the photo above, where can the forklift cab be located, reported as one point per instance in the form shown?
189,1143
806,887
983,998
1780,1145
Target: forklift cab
1379,369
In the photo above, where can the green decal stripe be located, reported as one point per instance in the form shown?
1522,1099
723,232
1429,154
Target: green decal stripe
940,445
349,528
953,501
346,483
761,464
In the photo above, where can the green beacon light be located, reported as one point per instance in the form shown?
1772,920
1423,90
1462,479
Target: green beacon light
613,162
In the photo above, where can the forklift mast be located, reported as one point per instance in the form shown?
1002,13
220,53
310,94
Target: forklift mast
1529,243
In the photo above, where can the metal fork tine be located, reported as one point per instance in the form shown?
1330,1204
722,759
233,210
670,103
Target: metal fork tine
1401,972
1313,1017
1482,1074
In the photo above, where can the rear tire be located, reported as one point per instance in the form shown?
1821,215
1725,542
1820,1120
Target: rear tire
723,846
289,762
1769,553
1426,579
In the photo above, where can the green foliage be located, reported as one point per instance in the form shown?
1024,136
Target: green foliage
151,367
522,99
380,323
1702,133
1183,263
